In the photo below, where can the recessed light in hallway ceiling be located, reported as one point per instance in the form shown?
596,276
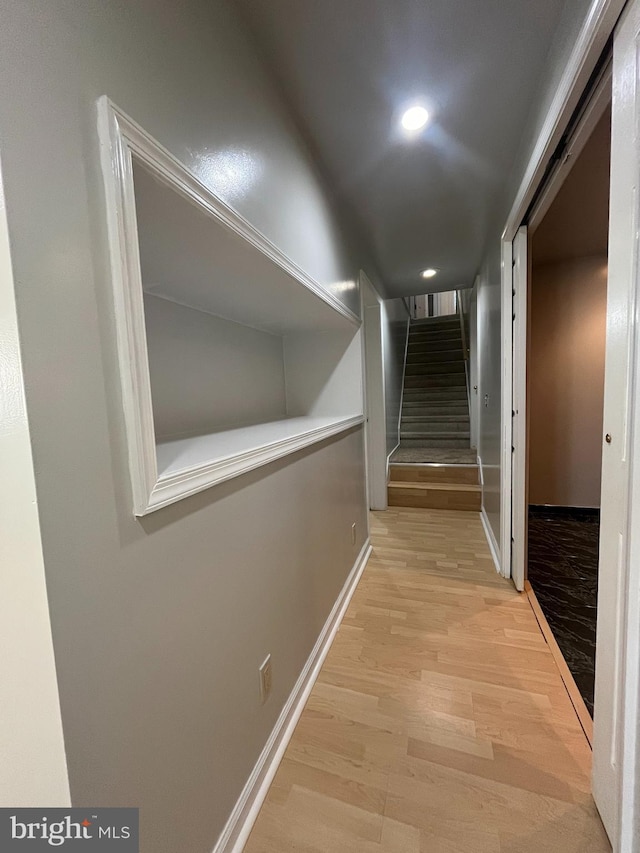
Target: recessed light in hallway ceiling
429,273
349,71
414,119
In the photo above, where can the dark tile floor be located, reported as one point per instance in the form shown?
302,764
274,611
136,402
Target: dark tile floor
563,571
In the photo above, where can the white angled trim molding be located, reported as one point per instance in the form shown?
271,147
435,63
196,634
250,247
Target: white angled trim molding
174,486
115,131
120,139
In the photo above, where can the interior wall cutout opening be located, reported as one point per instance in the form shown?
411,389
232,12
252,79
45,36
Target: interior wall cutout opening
230,356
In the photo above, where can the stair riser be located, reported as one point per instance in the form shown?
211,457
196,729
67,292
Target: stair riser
457,392
436,411
435,438
454,474
435,380
433,418
444,320
434,334
452,330
442,443
435,357
426,348
419,352
413,398
452,373
432,499
409,429
427,407
453,394
435,367
433,343
426,331
430,416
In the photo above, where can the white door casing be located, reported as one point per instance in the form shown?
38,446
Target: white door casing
519,416
374,384
506,421
617,659
474,397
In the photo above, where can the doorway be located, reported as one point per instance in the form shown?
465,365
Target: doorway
566,335
615,742
444,304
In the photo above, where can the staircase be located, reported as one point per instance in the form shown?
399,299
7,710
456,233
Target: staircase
434,427
435,487
435,406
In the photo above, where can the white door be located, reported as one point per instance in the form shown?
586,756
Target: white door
420,303
616,689
519,416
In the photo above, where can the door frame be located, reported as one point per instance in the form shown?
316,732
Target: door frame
594,35
374,393
623,744
596,30
474,366
518,440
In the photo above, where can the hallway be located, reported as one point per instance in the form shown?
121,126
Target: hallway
439,721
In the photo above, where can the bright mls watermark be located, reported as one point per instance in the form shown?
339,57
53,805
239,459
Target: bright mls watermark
73,830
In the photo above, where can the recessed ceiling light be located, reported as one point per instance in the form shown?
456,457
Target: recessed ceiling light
414,118
429,273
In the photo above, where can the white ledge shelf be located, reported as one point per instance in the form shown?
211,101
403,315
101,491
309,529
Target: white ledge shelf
189,465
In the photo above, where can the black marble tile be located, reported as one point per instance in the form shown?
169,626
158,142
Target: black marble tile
563,571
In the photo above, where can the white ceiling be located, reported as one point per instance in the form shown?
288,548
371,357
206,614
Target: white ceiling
348,68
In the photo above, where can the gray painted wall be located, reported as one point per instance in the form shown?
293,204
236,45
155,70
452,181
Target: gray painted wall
489,310
159,625
324,373
208,373
566,381
394,330
489,352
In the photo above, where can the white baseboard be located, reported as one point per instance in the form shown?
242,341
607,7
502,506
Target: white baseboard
236,832
491,539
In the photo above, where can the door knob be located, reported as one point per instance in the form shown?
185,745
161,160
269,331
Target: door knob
607,438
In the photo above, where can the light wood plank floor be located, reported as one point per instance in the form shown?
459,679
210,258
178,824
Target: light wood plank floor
439,721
